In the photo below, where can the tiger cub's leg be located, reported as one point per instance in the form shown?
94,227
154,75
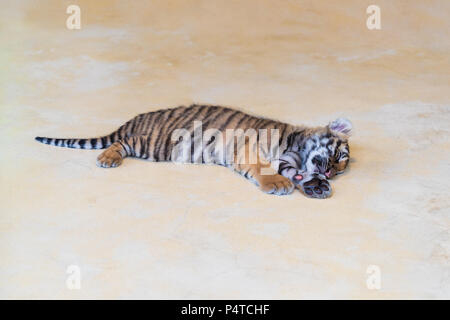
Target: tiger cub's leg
249,162
268,181
134,146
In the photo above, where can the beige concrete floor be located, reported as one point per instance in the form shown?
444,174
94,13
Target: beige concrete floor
147,230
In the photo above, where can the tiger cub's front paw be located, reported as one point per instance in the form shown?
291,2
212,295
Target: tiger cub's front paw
276,184
316,187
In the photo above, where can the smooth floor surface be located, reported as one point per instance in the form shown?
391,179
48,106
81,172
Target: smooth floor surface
146,230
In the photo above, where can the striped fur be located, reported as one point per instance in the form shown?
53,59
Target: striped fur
149,136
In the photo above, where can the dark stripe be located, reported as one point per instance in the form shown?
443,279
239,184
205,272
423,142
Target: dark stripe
104,144
123,147
241,120
150,121
192,115
257,123
127,143
229,119
210,113
93,143
82,142
131,129
169,121
159,132
330,142
157,118
140,122
119,132
128,147
252,122
127,130
290,139
134,140
280,141
111,137
142,151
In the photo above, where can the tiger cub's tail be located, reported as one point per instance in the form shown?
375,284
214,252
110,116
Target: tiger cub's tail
91,143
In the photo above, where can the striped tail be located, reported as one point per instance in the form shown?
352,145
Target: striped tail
92,143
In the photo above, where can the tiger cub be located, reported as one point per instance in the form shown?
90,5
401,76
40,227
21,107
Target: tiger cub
276,156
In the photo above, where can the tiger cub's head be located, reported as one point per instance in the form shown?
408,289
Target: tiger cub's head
324,150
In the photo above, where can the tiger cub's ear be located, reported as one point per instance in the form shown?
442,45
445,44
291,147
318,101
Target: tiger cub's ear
341,125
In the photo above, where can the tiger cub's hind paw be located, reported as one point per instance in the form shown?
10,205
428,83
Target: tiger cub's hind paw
109,159
316,188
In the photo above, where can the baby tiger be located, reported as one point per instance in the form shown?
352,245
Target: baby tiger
276,156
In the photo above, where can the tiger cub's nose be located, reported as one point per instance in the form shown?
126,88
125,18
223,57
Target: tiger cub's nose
320,162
